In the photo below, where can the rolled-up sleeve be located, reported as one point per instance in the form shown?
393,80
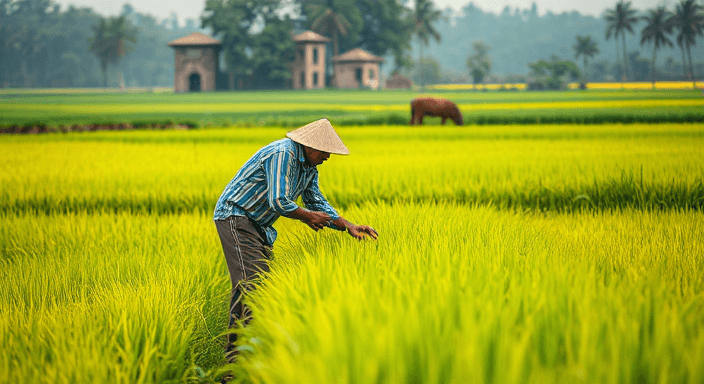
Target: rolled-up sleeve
277,168
315,201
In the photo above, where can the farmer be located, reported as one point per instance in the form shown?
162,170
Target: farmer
265,188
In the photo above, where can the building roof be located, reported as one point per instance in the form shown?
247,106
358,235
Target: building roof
357,54
310,36
195,38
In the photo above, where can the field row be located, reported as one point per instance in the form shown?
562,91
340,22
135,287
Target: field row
558,168
57,111
448,294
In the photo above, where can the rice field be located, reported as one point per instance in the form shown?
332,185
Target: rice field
58,111
660,85
514,253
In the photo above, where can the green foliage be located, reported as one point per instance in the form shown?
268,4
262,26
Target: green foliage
479,62
689,21
42,45
334,18
272,49
426,71
620,20
586,48
387,30
553,74
659,25
110,42
380,27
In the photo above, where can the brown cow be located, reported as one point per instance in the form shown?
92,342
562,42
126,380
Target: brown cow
427,106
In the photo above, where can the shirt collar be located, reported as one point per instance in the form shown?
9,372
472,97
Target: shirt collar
301,154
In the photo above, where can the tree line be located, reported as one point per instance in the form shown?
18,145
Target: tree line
257,39
45,46
42,45
517,38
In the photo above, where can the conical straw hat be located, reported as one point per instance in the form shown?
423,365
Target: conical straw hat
321,136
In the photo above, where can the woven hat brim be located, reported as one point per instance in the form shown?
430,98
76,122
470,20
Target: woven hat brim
321,136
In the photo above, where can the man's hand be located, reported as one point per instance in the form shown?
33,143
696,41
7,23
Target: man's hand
359,231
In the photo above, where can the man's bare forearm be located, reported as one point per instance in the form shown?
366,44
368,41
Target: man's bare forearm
342,223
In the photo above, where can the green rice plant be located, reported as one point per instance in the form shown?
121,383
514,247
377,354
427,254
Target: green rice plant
110,298
557,168
561,253
456,294
23,111
449,293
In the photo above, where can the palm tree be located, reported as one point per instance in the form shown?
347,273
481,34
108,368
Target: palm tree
99,44
110,42
328,21
621,19
586,48
121,33
689,21
657,28
424,16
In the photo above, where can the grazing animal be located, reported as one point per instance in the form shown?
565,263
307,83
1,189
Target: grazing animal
427,106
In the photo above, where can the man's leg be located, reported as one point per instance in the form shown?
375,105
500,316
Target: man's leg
246,254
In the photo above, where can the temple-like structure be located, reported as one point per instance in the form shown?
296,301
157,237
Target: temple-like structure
196,62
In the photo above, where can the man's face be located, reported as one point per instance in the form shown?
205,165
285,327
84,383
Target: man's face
315,157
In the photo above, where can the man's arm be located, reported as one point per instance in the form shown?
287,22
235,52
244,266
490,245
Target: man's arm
314,199
356,231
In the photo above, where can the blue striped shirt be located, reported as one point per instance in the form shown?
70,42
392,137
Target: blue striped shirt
268,185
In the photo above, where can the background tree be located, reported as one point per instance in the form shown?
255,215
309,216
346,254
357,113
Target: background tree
479,62
657,27
387,30
99,44
272,49
428,70
619,20
111,41
328,18
689,22
586,48
122,37
424,17
234,21
553,74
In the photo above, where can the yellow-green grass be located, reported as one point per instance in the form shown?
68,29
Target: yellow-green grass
459,294
660,85
89,109
562,167
109,298
292,108
449,294
540,254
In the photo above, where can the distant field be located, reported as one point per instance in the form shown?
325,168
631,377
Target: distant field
294,108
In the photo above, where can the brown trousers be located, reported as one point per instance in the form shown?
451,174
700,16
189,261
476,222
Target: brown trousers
247,255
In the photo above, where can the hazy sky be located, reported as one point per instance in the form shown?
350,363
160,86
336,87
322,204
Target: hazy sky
161,9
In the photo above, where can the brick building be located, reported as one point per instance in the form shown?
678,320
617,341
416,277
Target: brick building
308,68
196,62
356,69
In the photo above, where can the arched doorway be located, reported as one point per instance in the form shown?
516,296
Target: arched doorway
194,83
